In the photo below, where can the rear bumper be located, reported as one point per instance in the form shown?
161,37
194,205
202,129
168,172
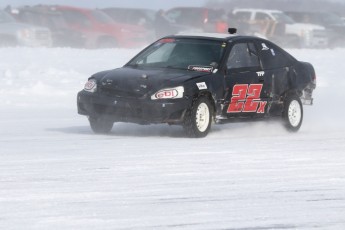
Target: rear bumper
142,111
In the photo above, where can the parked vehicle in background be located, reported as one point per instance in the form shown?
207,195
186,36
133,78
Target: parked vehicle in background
307,35
332,22
47,16
100,30
134,16
203,19
13,33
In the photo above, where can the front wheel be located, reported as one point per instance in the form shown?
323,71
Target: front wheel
197,121
293,113
100,125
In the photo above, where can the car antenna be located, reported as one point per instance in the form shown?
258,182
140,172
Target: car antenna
232,30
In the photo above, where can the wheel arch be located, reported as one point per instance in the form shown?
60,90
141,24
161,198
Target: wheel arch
290,92
207,94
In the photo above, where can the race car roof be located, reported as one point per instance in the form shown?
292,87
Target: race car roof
206,35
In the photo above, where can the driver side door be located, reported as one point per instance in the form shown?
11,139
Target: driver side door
247,89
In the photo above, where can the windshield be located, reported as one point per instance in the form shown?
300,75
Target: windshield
5,17
181,54
283,18
332,19
102,17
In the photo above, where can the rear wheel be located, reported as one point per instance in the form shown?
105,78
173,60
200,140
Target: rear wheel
197,122
100,125
293,113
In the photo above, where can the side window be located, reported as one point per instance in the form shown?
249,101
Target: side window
273,57
243,16
75,18
117,15
262,17
192,18
173,15
243,55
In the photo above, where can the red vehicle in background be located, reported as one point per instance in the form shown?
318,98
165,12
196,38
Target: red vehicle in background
204,19
101,31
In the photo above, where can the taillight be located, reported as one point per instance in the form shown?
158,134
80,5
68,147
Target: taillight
314,78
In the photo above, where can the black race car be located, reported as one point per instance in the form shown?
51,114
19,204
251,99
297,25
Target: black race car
190,80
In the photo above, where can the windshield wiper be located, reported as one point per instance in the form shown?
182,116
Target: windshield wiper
133,65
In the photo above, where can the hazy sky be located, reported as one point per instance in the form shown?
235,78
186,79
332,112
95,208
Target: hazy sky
154,4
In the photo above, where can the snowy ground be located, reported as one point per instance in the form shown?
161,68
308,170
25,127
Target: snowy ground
56,174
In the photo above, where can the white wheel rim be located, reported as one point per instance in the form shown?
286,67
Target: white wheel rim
294,113
202,117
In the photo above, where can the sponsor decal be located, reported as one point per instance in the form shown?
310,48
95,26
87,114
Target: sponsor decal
246,98
171,93
167,93
264,46
273,53
107,82
260,73
206,69
201,85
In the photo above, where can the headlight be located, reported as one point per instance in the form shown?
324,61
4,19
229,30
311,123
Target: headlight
25,34
169,93
306,33
91,86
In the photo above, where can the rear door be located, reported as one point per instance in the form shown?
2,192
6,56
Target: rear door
247,90
276,64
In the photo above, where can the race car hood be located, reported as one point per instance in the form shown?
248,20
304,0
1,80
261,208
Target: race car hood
135,82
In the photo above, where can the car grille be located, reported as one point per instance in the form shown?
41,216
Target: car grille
121,93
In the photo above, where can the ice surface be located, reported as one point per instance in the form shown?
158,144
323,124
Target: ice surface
56,174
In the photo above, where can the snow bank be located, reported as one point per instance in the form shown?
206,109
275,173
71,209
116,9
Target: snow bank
56,174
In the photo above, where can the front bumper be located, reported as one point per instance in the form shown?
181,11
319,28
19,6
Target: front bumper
315,39
141,111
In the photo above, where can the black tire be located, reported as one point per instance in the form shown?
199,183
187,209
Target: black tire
198,119
100,125
293,113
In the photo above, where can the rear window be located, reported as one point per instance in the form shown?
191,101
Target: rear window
273,57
